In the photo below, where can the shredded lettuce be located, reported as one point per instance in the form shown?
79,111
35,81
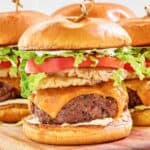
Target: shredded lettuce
41,59
136,57
8,54
79,58
95,60
28,82
34,79
118,76
5,51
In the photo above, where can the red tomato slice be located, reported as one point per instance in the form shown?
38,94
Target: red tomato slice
128,67
148,63
5,64
52,65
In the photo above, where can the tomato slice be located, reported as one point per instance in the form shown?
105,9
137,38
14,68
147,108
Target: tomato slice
5,64
52,65
128,67
147,63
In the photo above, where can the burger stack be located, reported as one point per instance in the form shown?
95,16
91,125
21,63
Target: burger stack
79,74
68,77
12,24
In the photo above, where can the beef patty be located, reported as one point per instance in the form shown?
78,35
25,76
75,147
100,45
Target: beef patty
8,92
134,99
80,109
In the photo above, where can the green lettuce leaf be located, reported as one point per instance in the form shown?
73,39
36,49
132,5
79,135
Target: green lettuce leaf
28,82
136,57
8,54
41,59
34,79
118,76
79,58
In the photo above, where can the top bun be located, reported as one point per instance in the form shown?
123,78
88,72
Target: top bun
110,11
13,24
63,34
139,30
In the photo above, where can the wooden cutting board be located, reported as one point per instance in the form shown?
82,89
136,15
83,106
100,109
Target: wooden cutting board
12,138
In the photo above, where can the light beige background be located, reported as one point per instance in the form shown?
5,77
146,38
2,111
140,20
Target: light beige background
49,6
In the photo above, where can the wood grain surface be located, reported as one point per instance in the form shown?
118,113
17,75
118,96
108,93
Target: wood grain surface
12,138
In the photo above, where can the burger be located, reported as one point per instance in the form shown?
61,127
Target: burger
139,86
67,74
12,25
111,11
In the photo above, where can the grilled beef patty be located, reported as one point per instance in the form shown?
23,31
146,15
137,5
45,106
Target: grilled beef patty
8,92
134,99
80,109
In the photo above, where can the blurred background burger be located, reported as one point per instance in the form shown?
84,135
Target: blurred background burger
111,11
12,25
139,87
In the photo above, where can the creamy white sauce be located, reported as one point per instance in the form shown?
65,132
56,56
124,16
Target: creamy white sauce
58,52
14,101
102,122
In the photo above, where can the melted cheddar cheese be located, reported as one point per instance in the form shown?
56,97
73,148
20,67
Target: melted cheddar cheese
142,88
52,100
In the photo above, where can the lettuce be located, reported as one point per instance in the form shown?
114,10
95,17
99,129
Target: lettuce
8,54
136,57
118,76
79,58
34,79
29,82
94,60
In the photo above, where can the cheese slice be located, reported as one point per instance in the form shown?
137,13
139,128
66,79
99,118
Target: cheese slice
52,100
142,87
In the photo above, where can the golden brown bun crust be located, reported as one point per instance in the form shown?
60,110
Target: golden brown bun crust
62,34
71,135
111,11
141,117
139,30
13,24
12,113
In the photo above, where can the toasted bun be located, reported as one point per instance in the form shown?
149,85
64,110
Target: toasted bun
62,33
141,117
139,30
12,113
77,135
111,11
13,24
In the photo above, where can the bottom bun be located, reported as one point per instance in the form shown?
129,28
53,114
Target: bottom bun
13,113
141,117
77,135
